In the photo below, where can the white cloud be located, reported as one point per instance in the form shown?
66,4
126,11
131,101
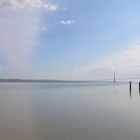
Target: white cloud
126,63
27,4
43,29
67,22
18,33
19,30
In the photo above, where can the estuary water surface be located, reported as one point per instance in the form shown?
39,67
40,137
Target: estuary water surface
69,111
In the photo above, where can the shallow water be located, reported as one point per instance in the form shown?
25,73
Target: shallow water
69,111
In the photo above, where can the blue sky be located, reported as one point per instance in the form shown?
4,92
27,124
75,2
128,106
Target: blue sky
63,39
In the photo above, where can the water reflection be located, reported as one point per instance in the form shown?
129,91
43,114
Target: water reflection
139,87
130,93
69,111
114,88
134,89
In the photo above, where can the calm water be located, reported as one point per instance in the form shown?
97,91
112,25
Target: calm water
68,111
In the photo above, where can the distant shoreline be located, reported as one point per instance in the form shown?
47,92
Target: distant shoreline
48,81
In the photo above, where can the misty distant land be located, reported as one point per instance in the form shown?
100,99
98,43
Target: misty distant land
36,80
46,81
32,80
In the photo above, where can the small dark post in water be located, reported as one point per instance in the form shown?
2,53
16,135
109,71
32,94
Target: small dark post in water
139,87
130,87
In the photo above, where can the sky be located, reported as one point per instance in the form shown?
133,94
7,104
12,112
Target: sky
69,39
